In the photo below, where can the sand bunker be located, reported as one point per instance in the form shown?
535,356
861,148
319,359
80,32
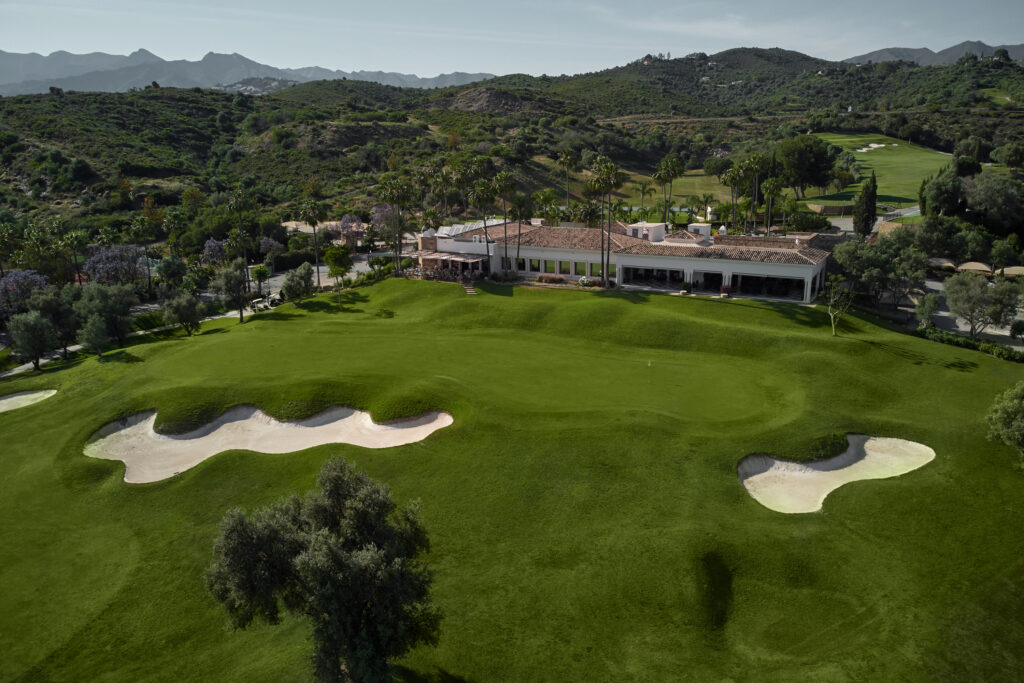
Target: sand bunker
149,456
787,486
24,398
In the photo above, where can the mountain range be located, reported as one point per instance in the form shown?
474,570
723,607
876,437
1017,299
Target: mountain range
22,74
926,57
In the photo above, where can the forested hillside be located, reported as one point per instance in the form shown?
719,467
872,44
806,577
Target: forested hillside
105,162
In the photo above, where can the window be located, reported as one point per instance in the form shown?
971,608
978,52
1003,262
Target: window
521,264
535,265
580,268
611,270
595,270
549,266
564,267
636,232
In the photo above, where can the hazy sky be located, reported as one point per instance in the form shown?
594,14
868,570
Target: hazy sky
427,37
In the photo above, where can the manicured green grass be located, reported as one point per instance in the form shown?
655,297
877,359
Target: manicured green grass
584,511
899,169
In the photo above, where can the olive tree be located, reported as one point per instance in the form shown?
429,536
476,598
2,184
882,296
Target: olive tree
970,297
183,310
298,283
232,288
1006,418
345,558
32,335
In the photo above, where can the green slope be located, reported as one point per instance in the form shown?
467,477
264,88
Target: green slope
586,519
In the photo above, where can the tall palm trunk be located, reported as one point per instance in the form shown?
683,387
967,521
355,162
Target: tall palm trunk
504,215
316,257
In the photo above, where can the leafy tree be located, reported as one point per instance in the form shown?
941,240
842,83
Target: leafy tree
945,194
214,252
16,287
260,274
1011,154
339,261
112,304
172,270
927,306
56,304
1005,252
1006,418
969,297
838,297
865,208
117,265
230,286
804,161
1017,330
32,335
298,283
345,558
271,248
997,201
183,310
717,166
93,336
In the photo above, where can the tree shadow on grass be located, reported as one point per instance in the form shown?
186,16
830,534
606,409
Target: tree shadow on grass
271,315
215,330
120,356
403,674
494,288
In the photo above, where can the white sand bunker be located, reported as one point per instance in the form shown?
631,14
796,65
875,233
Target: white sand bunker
787,486
149,456
24,398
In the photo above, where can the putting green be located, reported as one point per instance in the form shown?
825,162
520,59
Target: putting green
583,509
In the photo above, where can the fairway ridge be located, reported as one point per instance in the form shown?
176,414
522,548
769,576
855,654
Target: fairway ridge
793,487
24,398
150,456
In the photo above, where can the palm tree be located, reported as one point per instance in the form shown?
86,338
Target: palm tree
733,178
481,195
706,200
772,189
311,212
503,184
663,175
397,192
568,160
645,189
522,210
547,201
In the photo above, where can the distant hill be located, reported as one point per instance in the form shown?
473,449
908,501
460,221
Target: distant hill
15,68
24,74
926,57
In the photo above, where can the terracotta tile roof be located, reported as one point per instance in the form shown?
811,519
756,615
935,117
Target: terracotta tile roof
496,232
684,235
587,239
804,256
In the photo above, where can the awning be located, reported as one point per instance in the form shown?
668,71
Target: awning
1012,271
445,256
975,267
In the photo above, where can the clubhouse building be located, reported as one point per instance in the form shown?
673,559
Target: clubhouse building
642,254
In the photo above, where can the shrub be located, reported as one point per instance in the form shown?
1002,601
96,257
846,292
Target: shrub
551,279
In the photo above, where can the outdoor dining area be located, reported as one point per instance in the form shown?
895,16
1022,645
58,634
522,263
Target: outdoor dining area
449,267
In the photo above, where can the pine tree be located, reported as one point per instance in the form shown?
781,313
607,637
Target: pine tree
865,208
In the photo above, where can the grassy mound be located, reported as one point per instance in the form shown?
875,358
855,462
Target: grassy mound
585,516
